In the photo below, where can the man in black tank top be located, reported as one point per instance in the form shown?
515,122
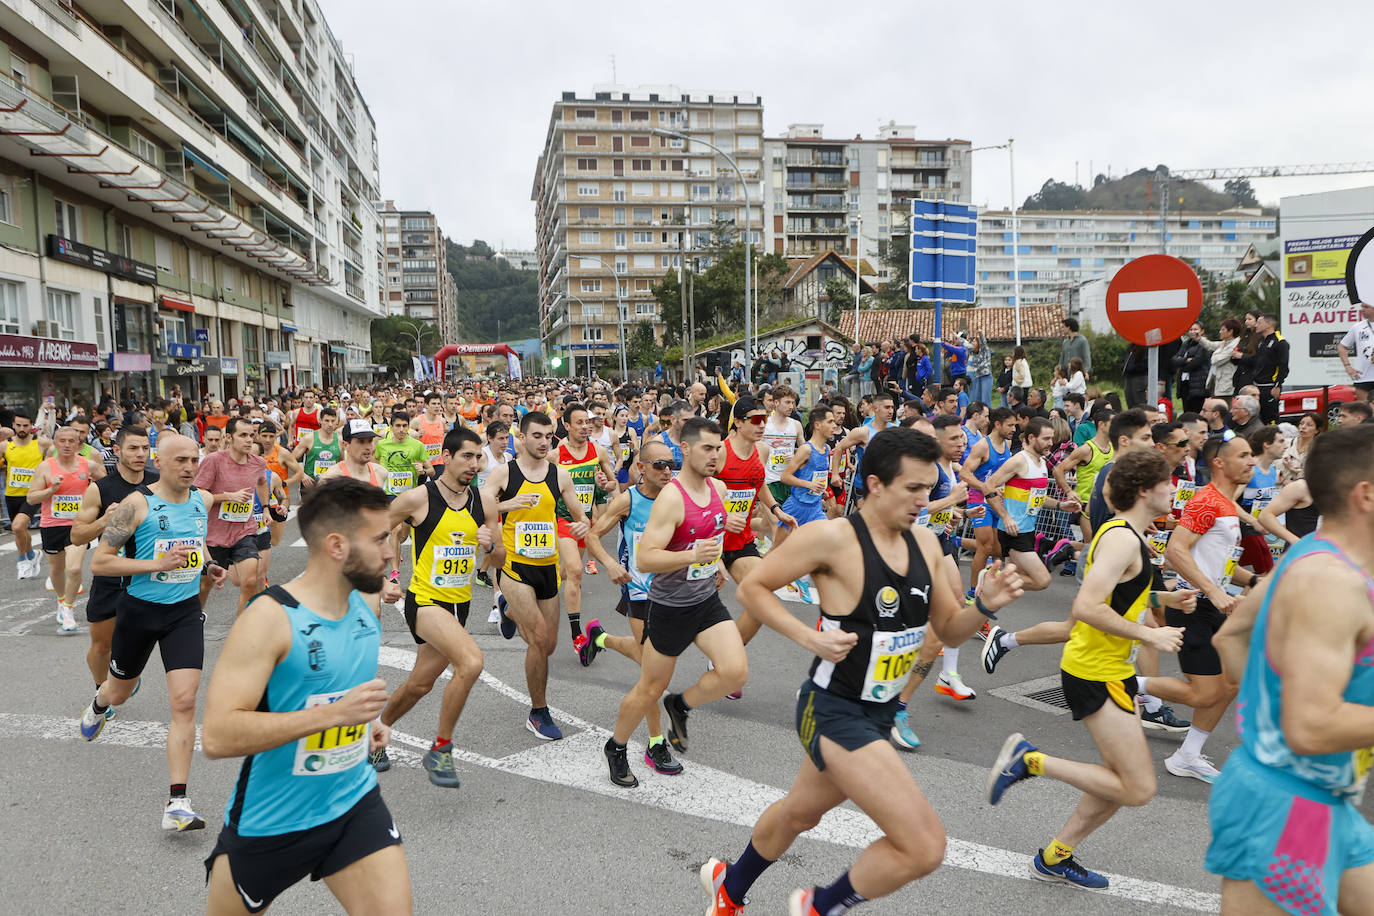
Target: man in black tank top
870,633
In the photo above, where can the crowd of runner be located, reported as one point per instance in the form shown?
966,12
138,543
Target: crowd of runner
1187,537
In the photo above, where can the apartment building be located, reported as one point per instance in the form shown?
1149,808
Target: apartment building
1059,250
185,196
815,187
615,202
417,282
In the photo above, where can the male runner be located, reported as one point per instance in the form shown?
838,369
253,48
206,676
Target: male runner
231,476
671,419
1267,444
319,449
1021,485
983,460
21,456
1288,835
280,462
877,592
1120,586
681,548
212,440
160,529
630,510
783,435
591,469
59,484
97,505
527,490
406,461
296,693
431,426
883,410
304,418
450,520
359,438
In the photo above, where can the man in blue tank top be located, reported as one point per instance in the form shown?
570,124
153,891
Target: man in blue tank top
984,458
1287,832
160,607
296,694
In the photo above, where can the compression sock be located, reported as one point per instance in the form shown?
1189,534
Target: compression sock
950,663
655,740
1035,762
440,743
837,898
1192,744
601,640
575,624
178,790
743,872
1056,852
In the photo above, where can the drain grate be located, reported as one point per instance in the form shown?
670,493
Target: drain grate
1045,694
1052,697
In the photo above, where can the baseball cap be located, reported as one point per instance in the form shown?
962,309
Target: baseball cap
358,429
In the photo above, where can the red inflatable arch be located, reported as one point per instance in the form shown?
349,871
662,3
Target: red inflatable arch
468,349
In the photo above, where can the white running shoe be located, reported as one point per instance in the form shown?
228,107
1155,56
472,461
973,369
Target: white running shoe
47,584
952,685
495,615
178,816
66,619
21,568
1199,767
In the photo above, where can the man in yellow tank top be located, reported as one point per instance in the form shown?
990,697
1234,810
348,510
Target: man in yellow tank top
1112,617
525,490
19,459
450,520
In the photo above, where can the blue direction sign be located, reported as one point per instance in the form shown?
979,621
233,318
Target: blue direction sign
943,236
584,347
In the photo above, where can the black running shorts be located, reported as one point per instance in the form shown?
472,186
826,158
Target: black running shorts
264,541
261,867
245,548
106,593
750,549
672,629
19,505
1021,543
851,724
635,610
177,630
1197,657
543,579
412,610
56,538
1087,697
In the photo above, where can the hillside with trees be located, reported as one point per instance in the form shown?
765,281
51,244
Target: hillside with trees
495,300
1140,190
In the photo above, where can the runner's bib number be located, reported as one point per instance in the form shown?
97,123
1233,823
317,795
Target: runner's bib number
333,750
940,521
399,481
535,540
1229,570
261,518
1186,491
889,663
1158,542
1361,762
738,502
781,453
66,507
19,478
432,449
585,492
235,512
1035,500
451,566
323,464
699,571
188,571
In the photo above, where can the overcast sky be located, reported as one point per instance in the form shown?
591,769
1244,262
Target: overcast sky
462,91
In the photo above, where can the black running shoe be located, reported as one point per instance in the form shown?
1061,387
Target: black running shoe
587,652
1062,553
620,765
661,760
484,578
1163,720
379,760
993,650
677,722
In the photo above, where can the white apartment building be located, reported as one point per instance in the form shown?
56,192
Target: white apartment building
614,201
186,194
520,258
828,194
1060,250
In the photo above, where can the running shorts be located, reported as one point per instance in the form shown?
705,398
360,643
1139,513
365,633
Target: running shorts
803,512
56,538
565,531
543,579
1196,656
1292,839
177,630
264,541
1254,553
245,548
412,609
106,593
851,724
1087,697
988,519
672,629
635,610
19,505
780,491
751,549
1022,543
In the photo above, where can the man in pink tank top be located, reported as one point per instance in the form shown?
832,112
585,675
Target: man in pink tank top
58,485
681,547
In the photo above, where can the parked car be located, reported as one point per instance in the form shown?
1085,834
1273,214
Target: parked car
1325,400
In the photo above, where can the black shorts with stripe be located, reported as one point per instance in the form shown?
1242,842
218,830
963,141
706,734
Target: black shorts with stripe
1087,697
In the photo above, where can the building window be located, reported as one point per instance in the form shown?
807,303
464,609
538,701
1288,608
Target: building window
639,141
639,116
589,237
620,216
643,215
6,206
644,238
173,330
586,139
591,310
99,312
142,147
62,312
68,223
588,190
10,295
646,309
641,165
618,192
591,335
586,165
251,354
586,114
162,249
621,265
591,286
588,212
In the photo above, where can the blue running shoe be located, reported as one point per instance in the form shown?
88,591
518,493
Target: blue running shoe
1067,872
542,724
508,627
970,596
92,723
804,588
901,734
1010,766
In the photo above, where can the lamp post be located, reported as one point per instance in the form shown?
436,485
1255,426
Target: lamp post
619,315
858,253
1015,229
415,332
748,245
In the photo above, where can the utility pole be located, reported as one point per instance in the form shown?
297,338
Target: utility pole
682,294
692,323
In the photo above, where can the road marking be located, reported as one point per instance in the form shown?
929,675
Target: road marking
1152,300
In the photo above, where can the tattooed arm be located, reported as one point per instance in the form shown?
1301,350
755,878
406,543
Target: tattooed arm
127,515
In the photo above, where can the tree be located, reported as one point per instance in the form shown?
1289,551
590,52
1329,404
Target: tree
841,295
394,338
895,254
718,292
1241,192
495,300
1056,195
642,348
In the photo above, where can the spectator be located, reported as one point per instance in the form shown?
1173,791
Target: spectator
980,369
1244,356
1191,362
1078,377
1354,413
958,357
1295,456
854,378
1221,378
1359,340
1035,400
1076,345
866,371
1020,373
1271,366
918,368
1004,379
1059,385
896,365
1245,415
1135,371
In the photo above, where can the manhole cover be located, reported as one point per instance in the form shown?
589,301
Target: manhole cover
1044,694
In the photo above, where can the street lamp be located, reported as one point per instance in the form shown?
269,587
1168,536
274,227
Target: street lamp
416,332
1015,229
748,245
619,315
582,305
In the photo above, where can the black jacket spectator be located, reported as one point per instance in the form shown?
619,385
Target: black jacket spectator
1271,362
1191,363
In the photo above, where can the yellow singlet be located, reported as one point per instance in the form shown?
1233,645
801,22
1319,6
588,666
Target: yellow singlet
443,551
530,535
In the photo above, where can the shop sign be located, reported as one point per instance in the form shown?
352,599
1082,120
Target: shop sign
108,262
46,353
130,362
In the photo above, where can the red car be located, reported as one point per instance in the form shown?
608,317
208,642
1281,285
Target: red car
1325,400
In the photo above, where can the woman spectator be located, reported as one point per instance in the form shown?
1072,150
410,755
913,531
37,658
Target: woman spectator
1221,381
917,368
1059,386
1295,456
1134,373
1063,439
1078,379
1004,379
1244,356
1191,364
866,373
980,369
1021,373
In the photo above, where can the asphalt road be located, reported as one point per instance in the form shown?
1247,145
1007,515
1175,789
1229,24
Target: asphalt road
537,827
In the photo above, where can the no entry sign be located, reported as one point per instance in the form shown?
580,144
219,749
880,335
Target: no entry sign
1153,299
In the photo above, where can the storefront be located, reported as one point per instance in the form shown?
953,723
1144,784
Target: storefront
66,371
125,375
229,372
189,370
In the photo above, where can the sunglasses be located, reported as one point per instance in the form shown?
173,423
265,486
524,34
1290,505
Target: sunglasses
758,419
663,464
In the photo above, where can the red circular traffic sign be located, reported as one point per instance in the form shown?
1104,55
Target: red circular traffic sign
1154,299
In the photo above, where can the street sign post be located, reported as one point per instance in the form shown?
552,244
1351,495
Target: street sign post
1152,299
943,239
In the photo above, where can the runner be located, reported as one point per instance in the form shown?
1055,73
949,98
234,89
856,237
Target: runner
806,477
304,418
857,438
230,477
296,693
681,548
1288,835
527,490
406,461
163,526
783,435
1097,671
97,505
431,426
867,641
22,454
264,516
493,453
1021,484
279,461
1267,444
1292,515
984,459
318,450
630,510
359,438
590,469
212,440
451,519
626,446
59,485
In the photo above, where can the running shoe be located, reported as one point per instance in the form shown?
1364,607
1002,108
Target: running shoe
178,816
484,578
618,761
902,735
66,619
993,650
713,883
661,760
677,722
736,695
579,642
1199,767
1010,766
1067,872
495,615
21,568
1062,552
92,723
379,760
47,584
1070,569
590,568
439,766
808,594
800,902
508,627
971,595
951,684
587,651
985,629
1163,720
543,726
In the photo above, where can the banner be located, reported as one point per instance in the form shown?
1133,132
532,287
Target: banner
417,368
513,365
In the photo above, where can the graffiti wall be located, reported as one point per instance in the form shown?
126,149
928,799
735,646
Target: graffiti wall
801,349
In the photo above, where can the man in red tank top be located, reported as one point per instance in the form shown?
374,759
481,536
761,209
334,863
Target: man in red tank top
58,485
304,418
